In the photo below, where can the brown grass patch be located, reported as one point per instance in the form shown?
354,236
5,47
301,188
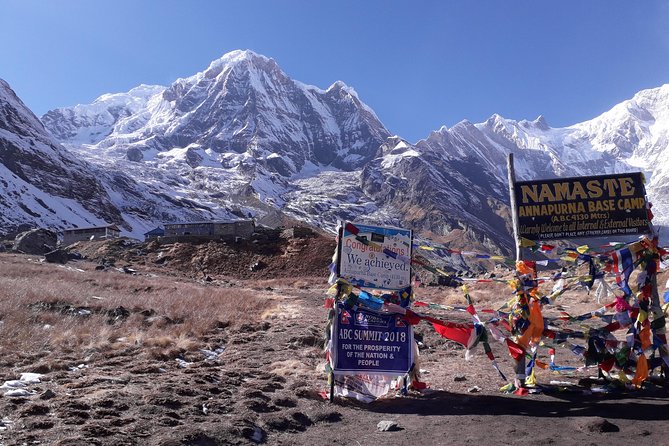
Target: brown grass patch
49,309
293,367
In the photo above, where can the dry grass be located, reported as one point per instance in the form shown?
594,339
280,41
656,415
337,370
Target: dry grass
41,308
295,368
306,282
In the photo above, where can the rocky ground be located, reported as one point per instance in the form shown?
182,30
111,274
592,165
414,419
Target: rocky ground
189,352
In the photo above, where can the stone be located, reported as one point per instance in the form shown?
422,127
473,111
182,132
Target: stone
388,426
134,154
35,242
257,266
57,256
460,378
475,389
257,435
600,425
47,395
74,255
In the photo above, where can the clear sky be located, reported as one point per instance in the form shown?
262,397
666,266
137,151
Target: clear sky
418,64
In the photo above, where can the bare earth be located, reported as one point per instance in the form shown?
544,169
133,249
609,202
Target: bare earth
238,359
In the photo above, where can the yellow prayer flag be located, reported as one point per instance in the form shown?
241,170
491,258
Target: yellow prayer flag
531,380
526,243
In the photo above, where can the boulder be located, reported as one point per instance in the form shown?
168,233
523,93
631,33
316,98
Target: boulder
388,426
134,154
57,256
35,242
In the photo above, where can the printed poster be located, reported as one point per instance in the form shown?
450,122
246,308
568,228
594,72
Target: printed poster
366,265
366,342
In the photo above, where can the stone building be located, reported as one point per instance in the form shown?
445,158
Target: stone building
215,230
94,233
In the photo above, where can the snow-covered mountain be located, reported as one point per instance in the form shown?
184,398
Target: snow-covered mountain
88,124
242,109
43,184
632,136
241,135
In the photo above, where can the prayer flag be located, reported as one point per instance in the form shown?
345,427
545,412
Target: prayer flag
623,264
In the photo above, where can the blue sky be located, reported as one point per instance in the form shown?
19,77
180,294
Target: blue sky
418,64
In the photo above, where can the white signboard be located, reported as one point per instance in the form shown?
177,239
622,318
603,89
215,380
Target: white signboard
375,257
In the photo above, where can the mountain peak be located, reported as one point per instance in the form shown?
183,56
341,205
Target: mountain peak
465,123
240,56
654,99
142,91
541,123
340,86
495,120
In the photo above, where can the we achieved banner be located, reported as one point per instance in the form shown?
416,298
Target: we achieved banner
582,207
370,342
362,260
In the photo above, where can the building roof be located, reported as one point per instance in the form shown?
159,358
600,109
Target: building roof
156,231
113,227
229,222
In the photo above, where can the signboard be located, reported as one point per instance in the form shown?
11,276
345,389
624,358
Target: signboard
370,342
582,207
366,265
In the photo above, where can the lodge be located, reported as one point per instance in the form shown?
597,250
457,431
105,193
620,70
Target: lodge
215,230
93,233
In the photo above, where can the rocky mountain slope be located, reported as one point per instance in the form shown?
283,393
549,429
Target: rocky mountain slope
242,136
43,184
454,183
632,136
242,108
88,124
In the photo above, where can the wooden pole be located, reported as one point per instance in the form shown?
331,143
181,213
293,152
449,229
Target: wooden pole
658,314
512,196
519,366
332,386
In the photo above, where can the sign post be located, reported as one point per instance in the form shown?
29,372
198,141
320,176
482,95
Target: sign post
580,207
519,366
577,207
512,195
370,346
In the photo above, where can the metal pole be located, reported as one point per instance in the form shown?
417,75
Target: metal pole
512,196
